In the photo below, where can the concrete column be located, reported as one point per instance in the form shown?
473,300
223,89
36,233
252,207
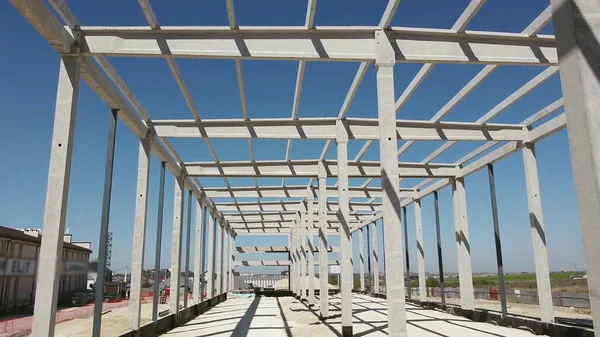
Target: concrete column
311,249
104,222
232,260
223,285
577,27
139,235
538,234
210,251
157,252
218,261
186,280
420,251
375,257
292,258
323,255
406,253
303,262
298,236
384,67
463,247
198,247
346,276
361,260
174,283
57,191
439,247
497,239
203,261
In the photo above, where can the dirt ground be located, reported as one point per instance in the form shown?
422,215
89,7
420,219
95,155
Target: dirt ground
531,310
114,323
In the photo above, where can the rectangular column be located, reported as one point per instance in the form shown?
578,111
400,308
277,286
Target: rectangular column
232,259
420,251
497,239
157,252
361,262
186,280
375,257
538,234
218,251
303,262
384,67
311,249
298,236
323,255
224,259
139,235
104,221
370,278
57,191
439,247
198,247
292,258
463,248
346,277
577,27
406,253
210,259
174,283
203,260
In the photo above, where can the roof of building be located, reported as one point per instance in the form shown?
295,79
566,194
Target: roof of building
14,234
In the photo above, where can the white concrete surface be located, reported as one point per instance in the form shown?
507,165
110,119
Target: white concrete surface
287,317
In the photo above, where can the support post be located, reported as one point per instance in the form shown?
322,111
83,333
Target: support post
223,270
104,223
538,234
577,29
178,203
232,259
292,258
420,251
361,260
298,225
157,253
139,235
186,280
385,58
375,257
463,248
311,250
198,247
210,251
323,254
407,279
55,209
370,278
344,218
303,280
203,262
497,239
218,261
439,247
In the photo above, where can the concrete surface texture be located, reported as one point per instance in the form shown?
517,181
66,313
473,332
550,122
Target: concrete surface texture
287,317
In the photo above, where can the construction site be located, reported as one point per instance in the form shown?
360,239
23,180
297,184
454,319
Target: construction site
338,233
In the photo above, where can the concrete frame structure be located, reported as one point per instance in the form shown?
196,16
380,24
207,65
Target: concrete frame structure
573,52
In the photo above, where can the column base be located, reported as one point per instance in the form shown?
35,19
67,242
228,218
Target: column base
346,331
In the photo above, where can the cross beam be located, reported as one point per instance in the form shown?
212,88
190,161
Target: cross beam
295,191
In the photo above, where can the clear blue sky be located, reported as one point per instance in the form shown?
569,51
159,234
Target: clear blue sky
28,77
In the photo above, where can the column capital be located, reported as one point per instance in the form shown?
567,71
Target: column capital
322,171
385,55
341,130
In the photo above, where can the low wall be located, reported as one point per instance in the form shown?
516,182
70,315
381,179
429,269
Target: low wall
172,321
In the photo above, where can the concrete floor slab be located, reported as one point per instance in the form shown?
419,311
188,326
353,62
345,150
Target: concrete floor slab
287,317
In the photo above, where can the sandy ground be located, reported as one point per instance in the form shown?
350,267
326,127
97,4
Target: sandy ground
114,323
531,310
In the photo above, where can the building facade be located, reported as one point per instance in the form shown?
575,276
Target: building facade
19,251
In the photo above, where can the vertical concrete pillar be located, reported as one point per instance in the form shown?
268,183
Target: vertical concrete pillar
298,235
406,253
210,257
303,279
384,67
577,27
57,191
420,251
198,247
158,250
218,243
346,277
224,258
232,259
370,278
188,234
439,247
139,235
375,257
361,260
538,234
323,255
104,222
497,239
174,283
292,258
310,218
463,248
203,262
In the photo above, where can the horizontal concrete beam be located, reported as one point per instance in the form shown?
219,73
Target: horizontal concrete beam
353,44
298,191
324,128
276,249
276,263
291,206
